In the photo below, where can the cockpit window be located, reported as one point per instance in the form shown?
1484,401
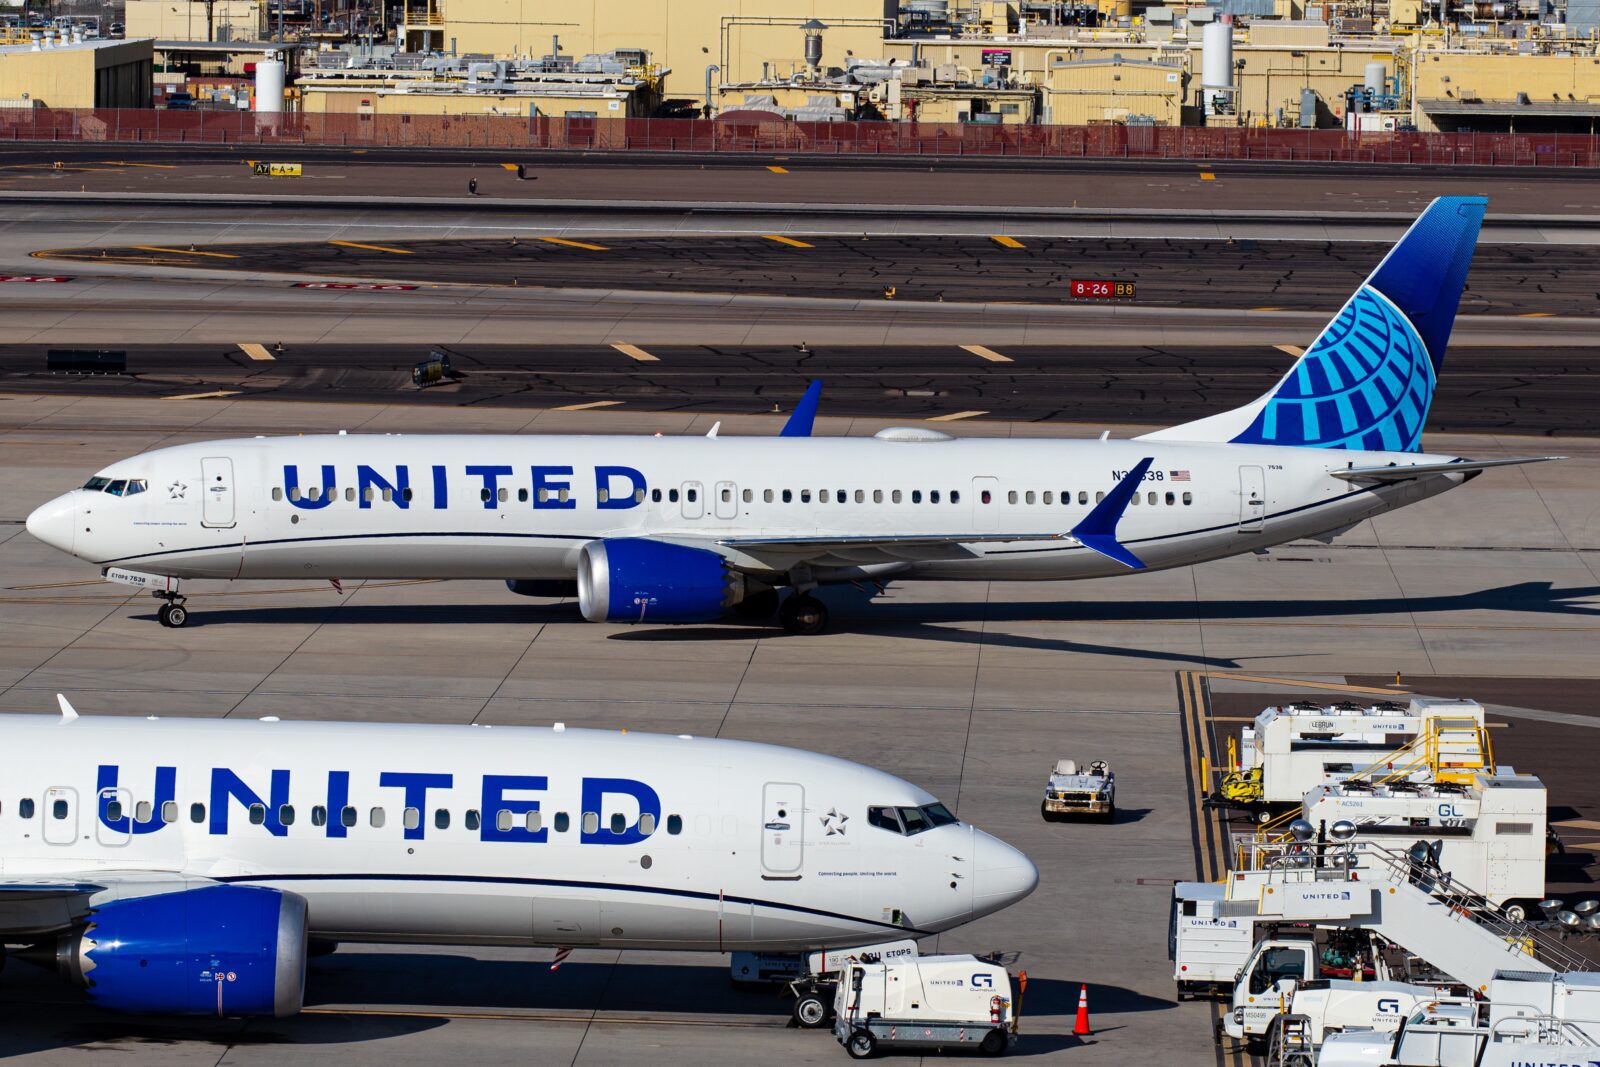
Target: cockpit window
909,821
117,487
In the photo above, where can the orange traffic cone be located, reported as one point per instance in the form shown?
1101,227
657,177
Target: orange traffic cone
1081,1027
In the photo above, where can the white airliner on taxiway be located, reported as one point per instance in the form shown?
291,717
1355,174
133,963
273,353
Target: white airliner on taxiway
683,529
183,865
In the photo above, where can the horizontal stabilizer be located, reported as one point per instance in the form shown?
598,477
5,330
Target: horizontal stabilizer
1400,472
1098,530
805,412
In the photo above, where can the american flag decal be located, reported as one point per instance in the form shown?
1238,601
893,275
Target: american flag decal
561,957
1178,476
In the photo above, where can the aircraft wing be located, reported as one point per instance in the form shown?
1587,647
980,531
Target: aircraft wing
826,543
36,905
1400,472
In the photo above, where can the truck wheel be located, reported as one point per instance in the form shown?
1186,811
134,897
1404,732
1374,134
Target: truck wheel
1110,815
811,1011
1046,814
861,1045
993,1043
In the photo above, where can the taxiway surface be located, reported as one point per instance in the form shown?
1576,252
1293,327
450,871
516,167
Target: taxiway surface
971,690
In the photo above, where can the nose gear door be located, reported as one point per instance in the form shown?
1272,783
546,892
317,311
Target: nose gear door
783,828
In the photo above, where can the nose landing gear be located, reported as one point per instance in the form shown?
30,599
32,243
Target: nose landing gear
173,612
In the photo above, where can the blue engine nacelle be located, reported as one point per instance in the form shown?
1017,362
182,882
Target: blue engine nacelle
630,579
217,950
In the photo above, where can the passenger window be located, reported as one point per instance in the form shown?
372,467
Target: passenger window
895,497
861,496
286,815
822,496
1083,496
727,496
25,808
1188,498
505,494
591,822
169,811
294,492
441,819
788,496
376,818
388,495
672,495
1049,497
840,495
562,822
1172,498
406,494
411,818
532,822
258,814
349,494
143,810
638,495
470,820
347,816
197,813
1011,497
691,495
748,496
885,819
1134,500
1101,495
674,825
655,496
986,497
603,495
1150,498
522,496
502,820
766,496
314,493
367,494
933,496
1029,498
113,810
916,496
58,810
619,823
877,496
647,824
955,496
277,493
805,496
319,815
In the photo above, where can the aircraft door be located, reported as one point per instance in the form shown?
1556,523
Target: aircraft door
694,500
216,476
783,827
60,816
1252,499
988,513
727,500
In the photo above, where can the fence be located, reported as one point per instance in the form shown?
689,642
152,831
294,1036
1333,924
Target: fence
801,138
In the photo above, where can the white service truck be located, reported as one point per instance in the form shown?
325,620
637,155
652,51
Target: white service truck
1530,1020
815,988
927,1002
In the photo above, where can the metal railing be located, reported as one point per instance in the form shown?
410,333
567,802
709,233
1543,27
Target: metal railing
745,135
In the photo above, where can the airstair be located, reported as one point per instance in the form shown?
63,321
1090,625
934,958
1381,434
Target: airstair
1409,903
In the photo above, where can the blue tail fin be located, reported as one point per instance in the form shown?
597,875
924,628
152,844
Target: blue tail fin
1367,381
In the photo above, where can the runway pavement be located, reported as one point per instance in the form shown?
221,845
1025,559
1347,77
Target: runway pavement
1534,391
971,690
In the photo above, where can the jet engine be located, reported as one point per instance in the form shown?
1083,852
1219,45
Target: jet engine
631,579
217,950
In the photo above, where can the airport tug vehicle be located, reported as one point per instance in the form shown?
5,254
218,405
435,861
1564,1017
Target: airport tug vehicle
926,1002
1071,791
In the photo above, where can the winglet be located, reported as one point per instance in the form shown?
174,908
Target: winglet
1098,530
715,426
805,412
68,712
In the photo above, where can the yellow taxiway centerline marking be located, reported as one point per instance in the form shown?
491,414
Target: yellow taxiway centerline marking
635,352
1300,683
206,396
573,244
372,248
1291,350
779,170
1536,315
255,351
594,404
154,166
790,241
953,416
520,1017
1007,242
987,353
184,251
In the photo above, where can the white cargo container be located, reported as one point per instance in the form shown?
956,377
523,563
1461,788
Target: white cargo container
1207,945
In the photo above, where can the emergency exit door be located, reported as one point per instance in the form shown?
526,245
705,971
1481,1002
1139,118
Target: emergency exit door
783,828
216,491
1252,499
59,819
727,500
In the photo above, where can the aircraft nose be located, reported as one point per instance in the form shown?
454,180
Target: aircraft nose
56,522
1001,875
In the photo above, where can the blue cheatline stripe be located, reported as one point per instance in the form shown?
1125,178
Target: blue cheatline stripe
560,883
348,537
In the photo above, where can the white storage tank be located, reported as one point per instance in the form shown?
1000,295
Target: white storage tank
1376,78
1216,63
269,84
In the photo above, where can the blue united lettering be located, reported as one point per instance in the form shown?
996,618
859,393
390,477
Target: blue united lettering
483,485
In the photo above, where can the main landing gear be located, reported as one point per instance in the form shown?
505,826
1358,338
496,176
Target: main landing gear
803,613
172,613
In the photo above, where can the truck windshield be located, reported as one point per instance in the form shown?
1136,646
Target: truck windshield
1277,962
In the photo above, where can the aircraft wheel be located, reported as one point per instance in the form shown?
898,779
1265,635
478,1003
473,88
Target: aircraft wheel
761,606
803,614
176,615
861,1045
993,1043
811,1011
